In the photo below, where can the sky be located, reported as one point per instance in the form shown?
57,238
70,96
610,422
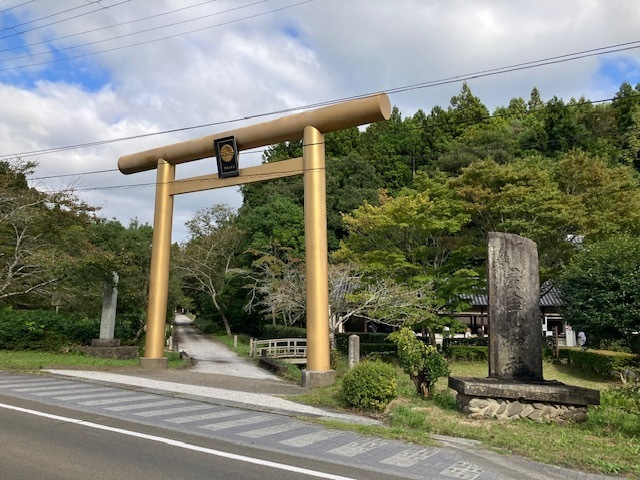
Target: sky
84,82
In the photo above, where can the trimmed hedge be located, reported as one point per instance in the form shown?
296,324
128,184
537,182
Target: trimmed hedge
370,385
467,353
44,329
606,364
369,343
280,331
464,342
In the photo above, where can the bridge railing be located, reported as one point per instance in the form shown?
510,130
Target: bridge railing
292,350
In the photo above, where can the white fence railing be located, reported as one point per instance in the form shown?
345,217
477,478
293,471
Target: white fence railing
292,350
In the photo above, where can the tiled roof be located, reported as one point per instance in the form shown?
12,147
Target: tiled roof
552,297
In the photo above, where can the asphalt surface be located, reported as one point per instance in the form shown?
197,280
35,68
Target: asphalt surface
228,398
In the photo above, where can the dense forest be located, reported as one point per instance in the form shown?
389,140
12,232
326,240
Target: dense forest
409,204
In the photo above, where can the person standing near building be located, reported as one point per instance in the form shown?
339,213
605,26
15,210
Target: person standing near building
582,340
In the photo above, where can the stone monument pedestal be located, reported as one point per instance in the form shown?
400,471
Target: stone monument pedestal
110,348
512,399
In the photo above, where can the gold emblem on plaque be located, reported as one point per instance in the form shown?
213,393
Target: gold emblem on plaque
226,153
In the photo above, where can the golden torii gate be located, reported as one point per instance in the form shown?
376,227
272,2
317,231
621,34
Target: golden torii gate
308,126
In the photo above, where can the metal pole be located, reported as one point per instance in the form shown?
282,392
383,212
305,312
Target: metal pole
159,276
315,218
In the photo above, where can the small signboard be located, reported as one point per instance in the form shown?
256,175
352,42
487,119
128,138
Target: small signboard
226,157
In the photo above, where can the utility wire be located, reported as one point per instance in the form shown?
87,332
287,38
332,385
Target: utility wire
432,83
118,37
129,22
58,21
168,37
12,27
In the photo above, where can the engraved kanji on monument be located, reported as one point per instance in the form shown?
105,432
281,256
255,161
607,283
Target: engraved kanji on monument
515,342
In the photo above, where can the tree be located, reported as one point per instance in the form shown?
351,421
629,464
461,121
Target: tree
277,285
34,256
601,286
206,258
406,248
423,363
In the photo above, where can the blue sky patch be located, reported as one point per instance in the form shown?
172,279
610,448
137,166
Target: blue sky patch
58,68
617,70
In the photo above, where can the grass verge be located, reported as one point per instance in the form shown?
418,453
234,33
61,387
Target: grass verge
32,360
608,442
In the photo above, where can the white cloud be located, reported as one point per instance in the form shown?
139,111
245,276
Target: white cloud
318,51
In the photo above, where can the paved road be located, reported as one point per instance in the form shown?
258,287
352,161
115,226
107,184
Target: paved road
214,357
49,443
277,433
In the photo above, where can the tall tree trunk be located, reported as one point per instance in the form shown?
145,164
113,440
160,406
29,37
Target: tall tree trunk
227,328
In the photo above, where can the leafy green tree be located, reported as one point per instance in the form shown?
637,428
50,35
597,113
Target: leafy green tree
601,286
411,242
278,221
604,198
520,197
422,362
466,110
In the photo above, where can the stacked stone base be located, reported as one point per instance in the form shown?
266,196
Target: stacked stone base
506,409
543,401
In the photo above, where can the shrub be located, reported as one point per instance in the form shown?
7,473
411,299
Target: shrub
44,330
280,331
370,386
610,365
468,342
423,363
466,353
342,341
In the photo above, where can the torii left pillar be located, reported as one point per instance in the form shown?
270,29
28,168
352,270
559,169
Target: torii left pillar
159,276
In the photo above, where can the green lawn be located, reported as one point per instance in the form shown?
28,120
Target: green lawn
28,360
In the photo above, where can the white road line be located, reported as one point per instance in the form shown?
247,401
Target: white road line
169,411
41,386
235,423
105,393
357,448
140,406
266,431
68,391
408,458
113,401
202,416
183,445
309,438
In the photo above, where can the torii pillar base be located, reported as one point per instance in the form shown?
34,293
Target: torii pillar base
318,378
154,363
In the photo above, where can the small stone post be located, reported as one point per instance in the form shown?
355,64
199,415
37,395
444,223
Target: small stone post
354,350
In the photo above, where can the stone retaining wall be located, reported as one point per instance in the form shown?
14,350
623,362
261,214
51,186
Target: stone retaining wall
500,408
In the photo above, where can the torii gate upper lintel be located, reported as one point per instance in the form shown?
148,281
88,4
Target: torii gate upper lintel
308,126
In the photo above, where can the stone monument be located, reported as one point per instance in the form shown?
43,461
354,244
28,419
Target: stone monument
107,346
515,387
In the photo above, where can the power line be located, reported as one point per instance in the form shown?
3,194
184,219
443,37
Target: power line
52,15
16,6
428,84
129,22
62,20
122,47
118,37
